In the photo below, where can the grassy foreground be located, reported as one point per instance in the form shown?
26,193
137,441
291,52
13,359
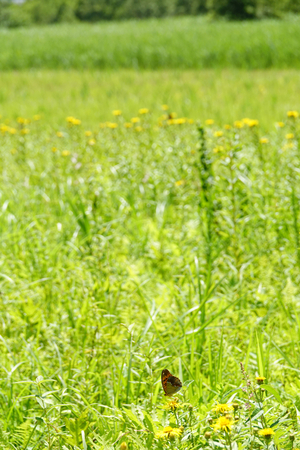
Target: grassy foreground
185,43
225,95
143,243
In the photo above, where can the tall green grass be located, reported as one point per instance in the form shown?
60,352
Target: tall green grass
186,43
128,250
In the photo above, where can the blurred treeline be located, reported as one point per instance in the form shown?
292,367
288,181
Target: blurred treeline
15,13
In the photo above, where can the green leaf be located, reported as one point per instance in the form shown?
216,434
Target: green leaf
132,417
272,391
149,422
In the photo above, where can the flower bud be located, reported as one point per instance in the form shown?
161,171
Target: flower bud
207,435
123,446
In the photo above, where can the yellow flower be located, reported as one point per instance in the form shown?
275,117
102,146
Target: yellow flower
164,107
59,134
169,433
128,125
72,121
36,117
266,433
191,121
179,183
138,129
289,136
172,405
123,446
102,125
218,133
25,131
260,380
227,126
13,151
11,130
288,146
65,153
117,112
179,121
293,114
173,115
170,121
238,124
23,121
209,122
223,423
279,124
54,149
252,123
135,120
143,111
222,408
92,142
112,125
88,133
264,140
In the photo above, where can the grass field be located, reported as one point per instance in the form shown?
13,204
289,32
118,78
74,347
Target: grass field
224,96
150,220
130,248
185,43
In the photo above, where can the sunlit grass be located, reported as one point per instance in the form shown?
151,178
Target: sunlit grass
126,250
178,43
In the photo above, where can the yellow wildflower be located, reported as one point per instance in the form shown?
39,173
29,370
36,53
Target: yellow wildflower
293,114
13,151
112,125
173,115
238,124
279,124
135,120
191,121
102,125
123,446
54,149
227,126
252,123
36,117
128,125
218,149
23,121
88,133
264,140
218,133
59,134
143,111
164,107
92,142
179,121
267,433
11,130
117,112
179,183
65,153
169,433
172,405
25,131
222,408
209,122
289,136
223,423
260,380
288,146
138,129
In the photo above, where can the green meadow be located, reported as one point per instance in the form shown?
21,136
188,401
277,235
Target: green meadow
150,220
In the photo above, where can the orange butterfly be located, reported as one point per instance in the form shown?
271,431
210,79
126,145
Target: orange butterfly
170,384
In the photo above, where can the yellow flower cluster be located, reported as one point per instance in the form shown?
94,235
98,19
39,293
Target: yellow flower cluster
223,423
169,433
73,121
222,408
293,114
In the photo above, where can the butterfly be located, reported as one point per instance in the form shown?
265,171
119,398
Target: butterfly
170,384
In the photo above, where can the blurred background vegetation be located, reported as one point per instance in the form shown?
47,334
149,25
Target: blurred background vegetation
14,13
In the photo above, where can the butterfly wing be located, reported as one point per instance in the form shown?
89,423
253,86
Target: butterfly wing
170,384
